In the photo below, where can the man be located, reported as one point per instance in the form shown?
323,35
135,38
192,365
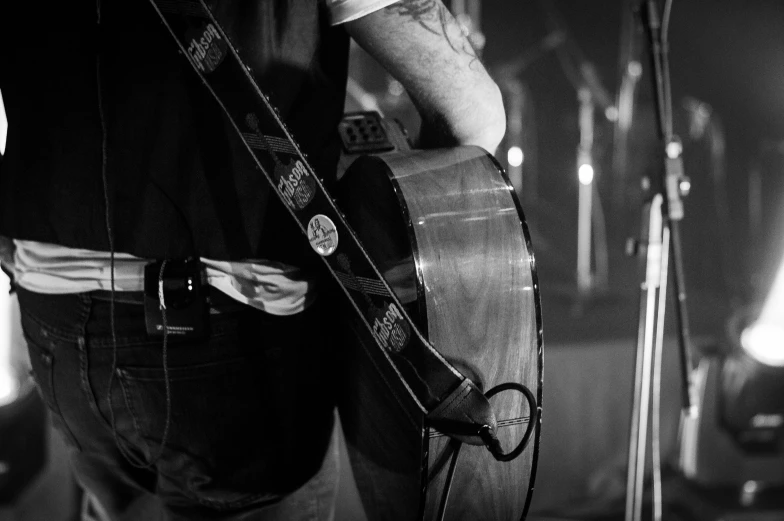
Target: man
118,157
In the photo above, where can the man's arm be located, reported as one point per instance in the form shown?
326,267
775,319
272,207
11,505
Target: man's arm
423,47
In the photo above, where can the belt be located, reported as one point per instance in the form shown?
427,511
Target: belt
119,297
218,301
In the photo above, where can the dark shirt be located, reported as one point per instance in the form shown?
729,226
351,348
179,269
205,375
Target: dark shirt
103,107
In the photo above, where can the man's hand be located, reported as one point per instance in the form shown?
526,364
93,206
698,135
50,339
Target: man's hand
422,46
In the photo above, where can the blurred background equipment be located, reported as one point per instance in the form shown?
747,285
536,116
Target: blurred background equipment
735,447
735,450
662,213
23,428
585,176
520,139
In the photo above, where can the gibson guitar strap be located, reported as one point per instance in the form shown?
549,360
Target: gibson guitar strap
453,403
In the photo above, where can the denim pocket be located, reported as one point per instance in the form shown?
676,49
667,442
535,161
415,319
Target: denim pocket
233,436
42,361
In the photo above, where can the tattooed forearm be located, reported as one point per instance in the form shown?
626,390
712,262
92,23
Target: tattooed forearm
435,18
428,13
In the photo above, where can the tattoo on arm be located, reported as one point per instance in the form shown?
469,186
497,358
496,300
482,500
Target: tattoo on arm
436,19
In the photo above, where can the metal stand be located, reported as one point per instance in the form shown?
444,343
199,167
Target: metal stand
585,170
518,102
660,240
591,229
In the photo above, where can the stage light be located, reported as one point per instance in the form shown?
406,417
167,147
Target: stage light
9,386
515,156
674,149
763,339
738,438
685,187
764,343
585,174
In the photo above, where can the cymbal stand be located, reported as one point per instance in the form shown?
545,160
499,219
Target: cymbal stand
660,240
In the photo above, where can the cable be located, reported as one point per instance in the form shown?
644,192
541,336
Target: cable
131,458
491,441
167,383
665,30
448,483
657,25
665,43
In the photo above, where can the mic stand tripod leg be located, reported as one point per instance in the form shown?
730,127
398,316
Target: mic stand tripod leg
657,380
671,185
648,336
664,210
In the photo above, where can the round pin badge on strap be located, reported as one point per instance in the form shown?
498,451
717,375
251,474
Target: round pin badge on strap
323,235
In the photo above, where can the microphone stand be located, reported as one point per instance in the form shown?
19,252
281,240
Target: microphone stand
661,242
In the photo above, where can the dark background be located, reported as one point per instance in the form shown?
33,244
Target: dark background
724,53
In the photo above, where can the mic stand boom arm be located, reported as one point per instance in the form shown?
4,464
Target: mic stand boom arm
662,213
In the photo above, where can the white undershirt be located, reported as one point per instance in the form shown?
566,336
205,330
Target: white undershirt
53,269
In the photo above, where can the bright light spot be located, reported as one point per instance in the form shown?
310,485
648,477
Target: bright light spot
764,339
585,174
751,487
767,421
674,149
3,125
765,343
635,69
749,493
685,186
515,156
773,308
9,386
611,113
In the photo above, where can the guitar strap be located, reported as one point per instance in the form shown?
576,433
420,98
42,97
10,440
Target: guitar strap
453,403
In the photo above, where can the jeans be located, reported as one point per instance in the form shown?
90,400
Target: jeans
249,408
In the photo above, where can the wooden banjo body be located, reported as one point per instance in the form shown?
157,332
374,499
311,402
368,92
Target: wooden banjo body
448,234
